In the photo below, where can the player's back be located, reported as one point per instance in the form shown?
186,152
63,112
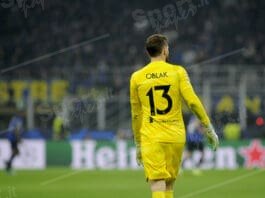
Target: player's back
158,87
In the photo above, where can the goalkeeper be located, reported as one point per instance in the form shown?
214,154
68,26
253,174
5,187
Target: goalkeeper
156,92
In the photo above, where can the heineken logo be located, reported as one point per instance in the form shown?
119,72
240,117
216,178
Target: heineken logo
121,155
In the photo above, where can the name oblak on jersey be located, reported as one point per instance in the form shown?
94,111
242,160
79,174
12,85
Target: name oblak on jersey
156,75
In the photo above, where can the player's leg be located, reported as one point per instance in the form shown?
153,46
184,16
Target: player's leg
14,153
201,149
189,151
170,188
197,169
153,158
173,158
158,188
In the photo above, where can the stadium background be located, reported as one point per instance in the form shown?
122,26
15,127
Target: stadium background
82,93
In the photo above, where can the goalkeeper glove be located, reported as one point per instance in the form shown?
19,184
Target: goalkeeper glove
212,137
138,154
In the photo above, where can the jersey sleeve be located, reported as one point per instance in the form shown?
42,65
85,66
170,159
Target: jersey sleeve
136,111
191,98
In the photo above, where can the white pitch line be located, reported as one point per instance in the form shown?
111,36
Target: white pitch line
55,53
222,184
61,177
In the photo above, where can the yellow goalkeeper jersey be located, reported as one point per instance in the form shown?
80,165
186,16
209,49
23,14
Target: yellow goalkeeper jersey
156,93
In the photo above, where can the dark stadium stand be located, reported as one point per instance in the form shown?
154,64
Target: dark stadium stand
212,29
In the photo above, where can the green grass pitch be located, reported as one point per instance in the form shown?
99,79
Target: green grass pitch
67,183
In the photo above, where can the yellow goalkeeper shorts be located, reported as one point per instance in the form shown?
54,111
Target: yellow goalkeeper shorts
161,160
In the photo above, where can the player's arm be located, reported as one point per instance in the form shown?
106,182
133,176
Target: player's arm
196,107
136,111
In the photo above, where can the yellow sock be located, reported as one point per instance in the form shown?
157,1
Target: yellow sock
169,194
159,194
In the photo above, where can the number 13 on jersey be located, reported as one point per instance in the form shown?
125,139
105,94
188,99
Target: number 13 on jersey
150,94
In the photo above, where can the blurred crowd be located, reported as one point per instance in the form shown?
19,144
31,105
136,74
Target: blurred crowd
198,30
211,29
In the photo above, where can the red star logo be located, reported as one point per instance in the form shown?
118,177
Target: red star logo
254,154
